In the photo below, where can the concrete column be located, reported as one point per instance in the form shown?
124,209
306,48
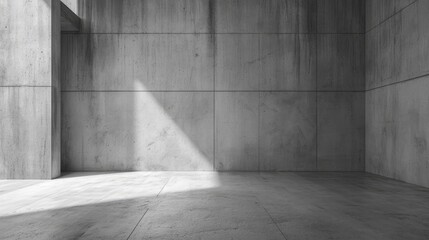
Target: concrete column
29,89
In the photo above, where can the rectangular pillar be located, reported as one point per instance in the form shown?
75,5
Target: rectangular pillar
30,33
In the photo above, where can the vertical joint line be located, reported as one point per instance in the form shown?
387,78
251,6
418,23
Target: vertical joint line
214,100
317,89
259,105
137,224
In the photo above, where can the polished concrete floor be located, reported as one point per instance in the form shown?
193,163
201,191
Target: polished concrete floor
208,205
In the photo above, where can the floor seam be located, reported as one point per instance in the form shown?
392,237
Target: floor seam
163,187
137,224
147,210
272,220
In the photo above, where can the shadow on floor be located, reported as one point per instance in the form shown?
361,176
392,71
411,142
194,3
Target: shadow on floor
175,205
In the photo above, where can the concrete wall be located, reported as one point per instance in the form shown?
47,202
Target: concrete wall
215,85
397,102
29,89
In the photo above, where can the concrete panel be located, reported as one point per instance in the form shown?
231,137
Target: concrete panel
265,62
169,62
138,62
287,131
25,132
138,131
145,16
265,16
340,62
238,62
397,132
407,43
340,16
341,131
380,56
411,52
288,62
101,64
398,49
26,41
381,131
379,10
236,131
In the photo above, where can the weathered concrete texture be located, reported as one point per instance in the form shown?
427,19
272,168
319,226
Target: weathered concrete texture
288,62
398,49
397,131
379,56
137,131
238,65
254,47
265,62
25,132
207,205
26,43
340,16
145,16
265,16
236,129
340,131
340,62
287,131
198,16
137,62
379,10
30,91
397,60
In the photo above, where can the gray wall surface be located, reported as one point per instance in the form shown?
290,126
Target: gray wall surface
397,82
215,85
29,89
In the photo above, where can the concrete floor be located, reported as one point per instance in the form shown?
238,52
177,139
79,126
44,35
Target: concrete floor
209,205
